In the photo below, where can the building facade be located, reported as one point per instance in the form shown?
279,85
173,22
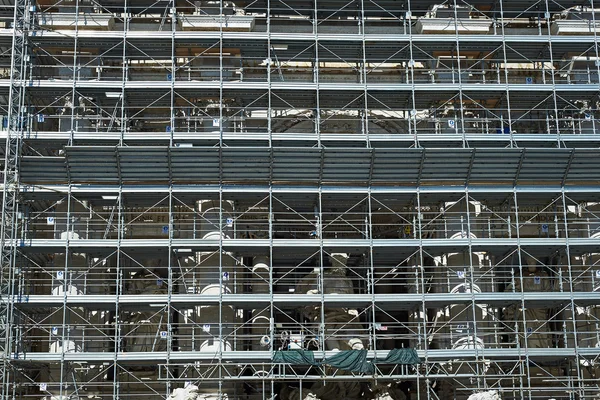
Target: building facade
285,199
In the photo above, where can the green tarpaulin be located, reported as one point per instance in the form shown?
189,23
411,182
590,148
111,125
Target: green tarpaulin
295,357
401,357
348,360
351,360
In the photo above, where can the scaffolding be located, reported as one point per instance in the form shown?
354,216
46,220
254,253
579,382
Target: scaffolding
285,199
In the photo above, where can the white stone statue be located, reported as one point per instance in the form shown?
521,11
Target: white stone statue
341,322
144,327
536,329
192,392
490,395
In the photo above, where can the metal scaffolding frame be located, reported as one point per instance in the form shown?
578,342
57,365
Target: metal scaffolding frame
192,187
10,201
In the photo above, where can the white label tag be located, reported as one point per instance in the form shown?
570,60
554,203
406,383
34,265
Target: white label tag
537,280
163,334
43,387
206,328
50,221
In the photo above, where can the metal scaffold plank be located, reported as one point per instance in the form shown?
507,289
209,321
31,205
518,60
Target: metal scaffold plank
350,166
409,301
250,356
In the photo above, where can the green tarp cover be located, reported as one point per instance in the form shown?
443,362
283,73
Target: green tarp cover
351,360
401,357
348,360
296,357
